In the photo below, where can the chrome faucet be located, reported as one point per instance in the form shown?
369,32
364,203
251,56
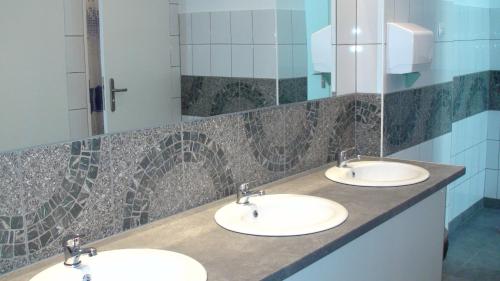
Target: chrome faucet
244,193
73,250
343,157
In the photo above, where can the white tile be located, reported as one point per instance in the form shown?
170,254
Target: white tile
477,187
370,21
174,111
284,21
73,17
242,61
483,153
402,10
78,124
75,54
369,68
175,82
491,184
175,52
264,27
426,151
201,28
174,19
187,59
494,125
423,13
221,60
442,149
201,60
285,61
492,157
472,160
494,59
265,61
346,20
185,29
77,91
299,33
241,27
346,64
220,23
299,60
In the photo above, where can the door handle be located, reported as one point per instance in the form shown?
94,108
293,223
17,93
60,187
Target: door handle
113,92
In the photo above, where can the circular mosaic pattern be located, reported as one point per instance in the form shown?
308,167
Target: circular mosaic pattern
21,236
273,157
187,147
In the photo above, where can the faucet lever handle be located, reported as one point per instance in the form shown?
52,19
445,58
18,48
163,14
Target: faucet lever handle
245,187
72,240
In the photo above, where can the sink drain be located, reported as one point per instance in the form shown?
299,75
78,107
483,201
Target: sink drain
87,277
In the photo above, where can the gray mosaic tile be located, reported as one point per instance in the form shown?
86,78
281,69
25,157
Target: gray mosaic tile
368,123
292,90
42,171
131,153
494,99
470,95
403,126
261,139
257,93
213,147
12,195
305,144
339,114
96,220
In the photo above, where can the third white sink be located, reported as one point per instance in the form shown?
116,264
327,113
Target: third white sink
378,174
281,215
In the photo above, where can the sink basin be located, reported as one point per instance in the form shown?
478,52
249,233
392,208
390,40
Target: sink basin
378,174
128,265
281,215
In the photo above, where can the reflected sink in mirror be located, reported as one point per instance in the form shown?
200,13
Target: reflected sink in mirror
281,215
128,265
378,174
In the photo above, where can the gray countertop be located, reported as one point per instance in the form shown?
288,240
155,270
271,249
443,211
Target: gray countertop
232,256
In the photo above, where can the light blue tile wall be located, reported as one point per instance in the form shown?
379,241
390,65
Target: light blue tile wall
492,176
466,145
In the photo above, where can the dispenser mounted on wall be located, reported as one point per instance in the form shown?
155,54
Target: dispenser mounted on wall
410,48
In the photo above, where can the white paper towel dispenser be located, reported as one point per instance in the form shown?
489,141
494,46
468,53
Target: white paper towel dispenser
321,48
410,48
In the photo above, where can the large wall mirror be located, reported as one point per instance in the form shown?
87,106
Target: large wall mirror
71,69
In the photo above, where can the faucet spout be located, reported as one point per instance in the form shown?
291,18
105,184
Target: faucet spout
343,158
73,251
244,193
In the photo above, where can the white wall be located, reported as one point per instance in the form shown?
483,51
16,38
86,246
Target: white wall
32,73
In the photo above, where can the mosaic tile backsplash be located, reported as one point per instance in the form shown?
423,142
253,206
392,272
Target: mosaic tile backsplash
109,184
417,115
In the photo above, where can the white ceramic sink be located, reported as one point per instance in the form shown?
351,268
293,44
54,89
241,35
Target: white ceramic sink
128,265
378,174
281,215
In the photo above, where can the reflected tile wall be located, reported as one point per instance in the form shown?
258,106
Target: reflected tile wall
204,96
106,185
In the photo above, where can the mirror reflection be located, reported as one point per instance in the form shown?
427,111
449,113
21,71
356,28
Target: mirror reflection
72,69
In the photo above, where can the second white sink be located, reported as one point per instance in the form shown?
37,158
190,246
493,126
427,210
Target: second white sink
281,215
378,174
